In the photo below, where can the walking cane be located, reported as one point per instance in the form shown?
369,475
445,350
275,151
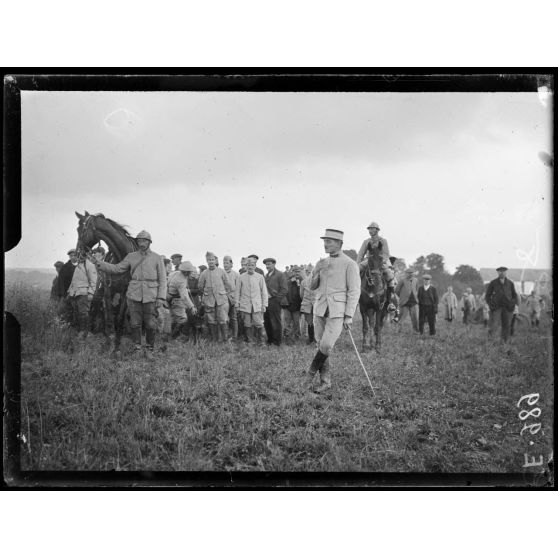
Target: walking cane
360,360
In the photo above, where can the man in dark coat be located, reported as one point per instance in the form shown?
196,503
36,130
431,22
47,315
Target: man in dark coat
501,299
291,312
64,281
428,305
276,284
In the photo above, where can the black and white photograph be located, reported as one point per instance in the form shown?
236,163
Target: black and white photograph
244,274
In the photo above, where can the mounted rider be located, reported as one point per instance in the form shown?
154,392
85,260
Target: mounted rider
378,247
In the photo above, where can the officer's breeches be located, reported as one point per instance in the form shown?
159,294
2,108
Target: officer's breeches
178,312
326,332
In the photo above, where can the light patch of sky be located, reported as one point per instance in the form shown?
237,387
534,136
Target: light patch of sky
455,174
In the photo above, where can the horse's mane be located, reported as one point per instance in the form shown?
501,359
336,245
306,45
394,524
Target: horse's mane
117,226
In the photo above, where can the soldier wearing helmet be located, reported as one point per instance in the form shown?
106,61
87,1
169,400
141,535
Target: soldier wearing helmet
178,297
379,245
146,291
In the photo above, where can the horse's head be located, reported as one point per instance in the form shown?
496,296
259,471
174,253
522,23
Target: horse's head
87,237
373,282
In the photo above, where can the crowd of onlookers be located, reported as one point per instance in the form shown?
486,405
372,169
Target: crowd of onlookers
285,301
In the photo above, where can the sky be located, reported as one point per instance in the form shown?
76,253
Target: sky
458,174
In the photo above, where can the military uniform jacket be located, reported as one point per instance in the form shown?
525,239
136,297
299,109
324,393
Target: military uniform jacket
149,280
251,293
307,296
337,286
364,249
178,288
215,286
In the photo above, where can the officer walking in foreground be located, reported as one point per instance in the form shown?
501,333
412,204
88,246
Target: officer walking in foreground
337,284
147,289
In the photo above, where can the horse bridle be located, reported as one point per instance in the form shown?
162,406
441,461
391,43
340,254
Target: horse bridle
81,247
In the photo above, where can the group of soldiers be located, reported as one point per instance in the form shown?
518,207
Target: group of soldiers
174,298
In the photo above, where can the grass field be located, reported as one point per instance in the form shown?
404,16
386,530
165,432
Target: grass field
444,404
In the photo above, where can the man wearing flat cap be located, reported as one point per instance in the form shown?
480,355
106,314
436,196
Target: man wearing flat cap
276,284
407,291
178,297
217,292
428,304
337,284
80,293
146,292
501,298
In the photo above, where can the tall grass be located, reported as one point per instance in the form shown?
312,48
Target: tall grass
444,404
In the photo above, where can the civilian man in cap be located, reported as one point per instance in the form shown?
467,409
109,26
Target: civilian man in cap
178,297
233,278
217,292
258,270
65,278
146,291
99,312
307,305
276,284
80,294
501,298
428,304
337,284
176,260
252,300
242,266
407,291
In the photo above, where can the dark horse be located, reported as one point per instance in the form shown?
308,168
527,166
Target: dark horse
373,303
91,230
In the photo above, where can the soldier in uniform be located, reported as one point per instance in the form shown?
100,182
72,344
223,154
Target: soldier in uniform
337,283
178,297
214,284
233,277
251,301
146,291
379,244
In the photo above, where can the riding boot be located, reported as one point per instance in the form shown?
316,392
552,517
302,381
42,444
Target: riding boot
325,378
224,332
235,330
311,337
136,335
315,366
259,336
150,335
185,331
214,332
175,330
249,332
